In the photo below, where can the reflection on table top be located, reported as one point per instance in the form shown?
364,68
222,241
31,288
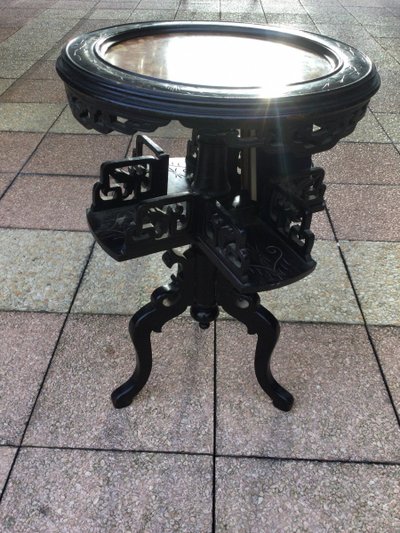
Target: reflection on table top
218,60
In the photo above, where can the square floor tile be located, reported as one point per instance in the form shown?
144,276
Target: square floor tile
131,286
254,496
14,68
76,154
6,459
47,202
5,32
67,123
81,491
368,130
171,146
117,15
341,410
173,412
40,270
5,84
375,270
5,180
387,343
40,91
323,296
16,148
42,70
364,212
386,100
28,341
390,123
376,164
28,117
200,14
140,15
321,227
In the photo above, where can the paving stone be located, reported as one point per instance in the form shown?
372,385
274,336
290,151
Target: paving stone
54,202
391,124
245,18
82,491
28,117
5,180
39,270
374,268
42,70
368,130
254,495
382,31
321,227
6,458
341,411
174,411
361,163
323,296
132,283
28,341
16,148
143,15
76,154
67,123
283,18
119,15
6,32
387,343
36,91
192,14
364,212
13,68
5,84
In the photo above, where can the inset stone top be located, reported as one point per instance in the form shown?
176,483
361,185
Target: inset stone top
225,60
212,75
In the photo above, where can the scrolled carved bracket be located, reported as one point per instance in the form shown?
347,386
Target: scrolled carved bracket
251,255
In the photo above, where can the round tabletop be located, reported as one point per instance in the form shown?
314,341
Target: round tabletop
208,73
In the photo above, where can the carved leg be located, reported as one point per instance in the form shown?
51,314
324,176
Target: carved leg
166,303
247,309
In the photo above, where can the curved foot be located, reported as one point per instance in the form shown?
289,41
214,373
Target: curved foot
124,394
166,303
247,309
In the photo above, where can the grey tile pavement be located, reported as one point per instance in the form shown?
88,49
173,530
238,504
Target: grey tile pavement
387,343
341,411
56,202
343,408
324,296
254,495
28,341
374,268
7,455
85,491
174,412
40,270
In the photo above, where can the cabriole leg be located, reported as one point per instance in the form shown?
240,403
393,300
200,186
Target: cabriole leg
247,309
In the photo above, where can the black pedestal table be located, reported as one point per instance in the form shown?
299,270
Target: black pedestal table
259,103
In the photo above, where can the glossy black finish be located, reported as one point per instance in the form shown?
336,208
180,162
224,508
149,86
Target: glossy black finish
246,200
198,285
108,98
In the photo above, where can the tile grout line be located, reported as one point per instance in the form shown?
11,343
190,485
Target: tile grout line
214,452
204,454
366,326
20,445
32,153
